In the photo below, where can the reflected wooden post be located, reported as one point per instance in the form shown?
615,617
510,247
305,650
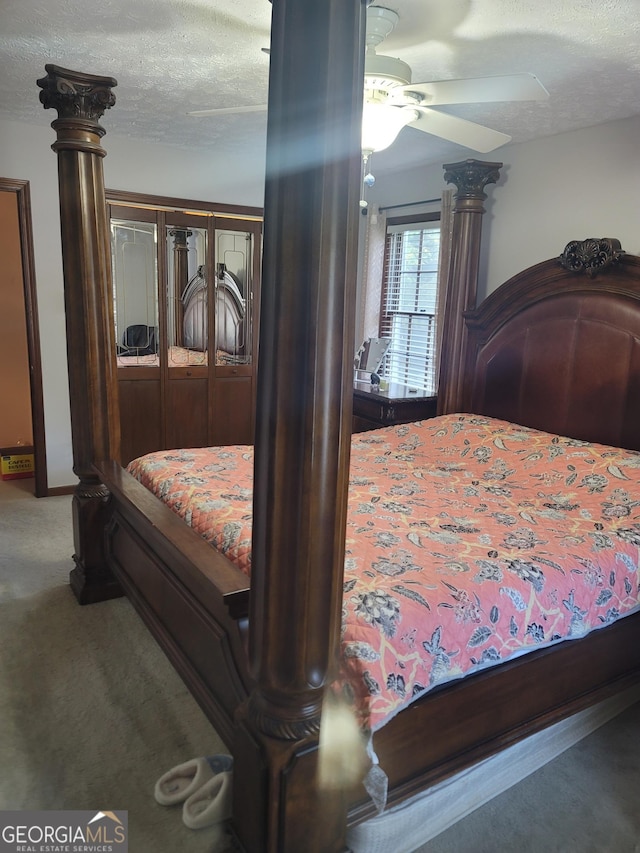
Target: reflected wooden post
470,177
80,100
180,279
303,426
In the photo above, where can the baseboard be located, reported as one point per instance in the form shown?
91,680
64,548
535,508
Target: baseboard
56,491
406,827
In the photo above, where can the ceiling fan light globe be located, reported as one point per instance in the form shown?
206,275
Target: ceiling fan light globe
381,124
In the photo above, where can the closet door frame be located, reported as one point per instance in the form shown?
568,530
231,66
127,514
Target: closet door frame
242,376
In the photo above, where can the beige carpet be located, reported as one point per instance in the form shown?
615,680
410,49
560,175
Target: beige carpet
585,801
91,714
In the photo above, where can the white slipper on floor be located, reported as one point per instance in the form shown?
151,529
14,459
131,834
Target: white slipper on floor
211,803
179,783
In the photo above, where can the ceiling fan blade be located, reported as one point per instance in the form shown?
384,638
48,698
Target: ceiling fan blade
459,130
478,90
254,108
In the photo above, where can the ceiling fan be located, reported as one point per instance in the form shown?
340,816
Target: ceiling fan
392,101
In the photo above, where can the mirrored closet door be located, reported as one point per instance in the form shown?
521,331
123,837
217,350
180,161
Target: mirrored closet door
186,297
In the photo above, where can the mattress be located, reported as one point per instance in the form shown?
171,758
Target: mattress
469,541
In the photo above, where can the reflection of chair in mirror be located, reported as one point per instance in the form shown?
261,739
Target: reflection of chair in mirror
139,340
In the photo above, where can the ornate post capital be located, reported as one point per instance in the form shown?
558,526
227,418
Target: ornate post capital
471,177
80,100
76,95
180,237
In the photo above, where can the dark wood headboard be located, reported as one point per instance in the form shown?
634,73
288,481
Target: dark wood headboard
557,347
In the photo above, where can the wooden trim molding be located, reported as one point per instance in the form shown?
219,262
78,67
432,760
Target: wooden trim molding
23,198
57,491
169,203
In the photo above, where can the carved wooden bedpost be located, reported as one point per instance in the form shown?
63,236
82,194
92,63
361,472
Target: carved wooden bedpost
180,278
303,429
80,100
470,177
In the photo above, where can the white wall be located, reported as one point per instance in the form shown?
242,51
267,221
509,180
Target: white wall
571,186
25,154
566,187
180,173
553,190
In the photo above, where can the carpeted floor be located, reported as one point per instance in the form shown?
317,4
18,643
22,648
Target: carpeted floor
585,801
91,714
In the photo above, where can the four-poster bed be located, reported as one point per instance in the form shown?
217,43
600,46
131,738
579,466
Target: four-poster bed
259,664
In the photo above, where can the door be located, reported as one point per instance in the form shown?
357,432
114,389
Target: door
22,422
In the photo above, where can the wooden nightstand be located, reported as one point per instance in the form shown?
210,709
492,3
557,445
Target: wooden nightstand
397,405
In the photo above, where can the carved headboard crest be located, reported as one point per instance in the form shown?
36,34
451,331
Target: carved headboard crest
591,255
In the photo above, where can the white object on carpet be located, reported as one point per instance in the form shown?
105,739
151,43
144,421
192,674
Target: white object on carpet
210,804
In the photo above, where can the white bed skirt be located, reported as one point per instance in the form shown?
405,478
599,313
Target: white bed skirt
426,815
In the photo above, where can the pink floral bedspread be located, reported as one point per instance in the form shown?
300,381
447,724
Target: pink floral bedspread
469,541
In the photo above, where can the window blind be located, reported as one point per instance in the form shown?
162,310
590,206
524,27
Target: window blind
409,304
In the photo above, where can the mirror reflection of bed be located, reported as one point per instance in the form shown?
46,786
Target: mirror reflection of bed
229,312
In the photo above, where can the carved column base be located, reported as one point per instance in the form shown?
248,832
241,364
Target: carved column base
277,804
295,716
91,580
89,589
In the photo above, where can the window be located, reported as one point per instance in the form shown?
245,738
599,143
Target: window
409,298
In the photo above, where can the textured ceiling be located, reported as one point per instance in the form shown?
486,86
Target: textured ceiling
173,56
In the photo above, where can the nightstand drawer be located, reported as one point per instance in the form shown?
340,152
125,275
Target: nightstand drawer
373,409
